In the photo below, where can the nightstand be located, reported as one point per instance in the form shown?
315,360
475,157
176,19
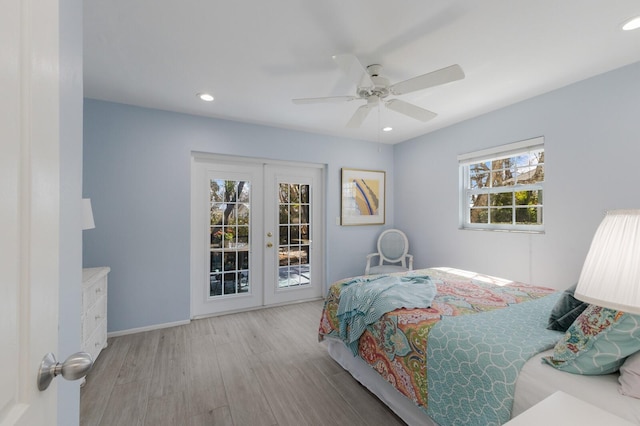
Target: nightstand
564,409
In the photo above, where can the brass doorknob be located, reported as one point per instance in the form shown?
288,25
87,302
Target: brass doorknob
269,244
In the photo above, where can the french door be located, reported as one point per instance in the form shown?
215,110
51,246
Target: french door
256,234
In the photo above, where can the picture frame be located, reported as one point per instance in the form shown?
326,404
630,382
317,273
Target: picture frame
363,197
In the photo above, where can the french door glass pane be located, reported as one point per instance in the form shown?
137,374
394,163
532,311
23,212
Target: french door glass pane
229,211
294,268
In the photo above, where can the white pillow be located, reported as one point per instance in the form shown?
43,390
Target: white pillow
630,376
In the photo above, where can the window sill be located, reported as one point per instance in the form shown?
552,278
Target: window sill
511,231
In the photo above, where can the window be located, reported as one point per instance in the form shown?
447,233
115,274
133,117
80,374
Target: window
502,187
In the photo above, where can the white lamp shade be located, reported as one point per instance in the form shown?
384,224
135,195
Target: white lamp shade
610,276
87,214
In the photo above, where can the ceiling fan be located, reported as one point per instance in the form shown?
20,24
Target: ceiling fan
375,89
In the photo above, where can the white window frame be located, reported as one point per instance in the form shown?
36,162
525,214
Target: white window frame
497,153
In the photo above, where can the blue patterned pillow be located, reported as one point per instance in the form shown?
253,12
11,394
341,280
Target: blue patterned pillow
597,342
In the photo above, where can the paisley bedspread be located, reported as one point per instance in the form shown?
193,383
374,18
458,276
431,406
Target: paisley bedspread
396,345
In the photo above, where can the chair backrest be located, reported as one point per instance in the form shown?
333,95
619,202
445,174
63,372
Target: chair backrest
393,246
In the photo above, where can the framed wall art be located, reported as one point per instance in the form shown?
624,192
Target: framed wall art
363,197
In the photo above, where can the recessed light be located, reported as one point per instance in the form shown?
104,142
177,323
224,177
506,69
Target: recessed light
387,129
205,97
632,24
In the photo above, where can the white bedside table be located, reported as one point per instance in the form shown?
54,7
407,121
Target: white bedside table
564,409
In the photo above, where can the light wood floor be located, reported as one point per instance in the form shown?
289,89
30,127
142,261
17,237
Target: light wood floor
262,367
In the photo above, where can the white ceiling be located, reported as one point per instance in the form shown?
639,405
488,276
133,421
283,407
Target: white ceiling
255,56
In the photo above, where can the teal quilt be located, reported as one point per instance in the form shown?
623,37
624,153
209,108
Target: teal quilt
474,361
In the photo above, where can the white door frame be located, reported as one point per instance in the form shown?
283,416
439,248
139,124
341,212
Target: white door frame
30,210
199,245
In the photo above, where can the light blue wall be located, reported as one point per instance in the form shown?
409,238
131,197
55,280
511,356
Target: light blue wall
592,149
136,170
137,174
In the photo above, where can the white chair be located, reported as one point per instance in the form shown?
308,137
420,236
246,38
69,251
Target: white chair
393,247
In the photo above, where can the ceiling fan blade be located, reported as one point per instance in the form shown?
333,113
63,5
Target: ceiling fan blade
359,116
435,78
330,99
352,67
410,110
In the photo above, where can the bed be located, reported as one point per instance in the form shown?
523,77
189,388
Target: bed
443,346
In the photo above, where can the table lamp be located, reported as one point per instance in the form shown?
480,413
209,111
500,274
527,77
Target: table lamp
87,214
610,276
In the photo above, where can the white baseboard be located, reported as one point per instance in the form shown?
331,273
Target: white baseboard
148,328
185,322
255,308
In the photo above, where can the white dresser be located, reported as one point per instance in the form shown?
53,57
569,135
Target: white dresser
94,310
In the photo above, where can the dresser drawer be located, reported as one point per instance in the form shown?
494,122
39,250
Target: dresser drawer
96,341
94,316
94,285
93,292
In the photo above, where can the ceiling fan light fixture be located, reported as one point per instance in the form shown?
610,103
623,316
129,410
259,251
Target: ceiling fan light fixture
207,97
375,89
632,24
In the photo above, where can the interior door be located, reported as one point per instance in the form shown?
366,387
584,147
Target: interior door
29,211
241,257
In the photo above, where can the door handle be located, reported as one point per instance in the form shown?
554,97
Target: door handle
73,368
269,245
